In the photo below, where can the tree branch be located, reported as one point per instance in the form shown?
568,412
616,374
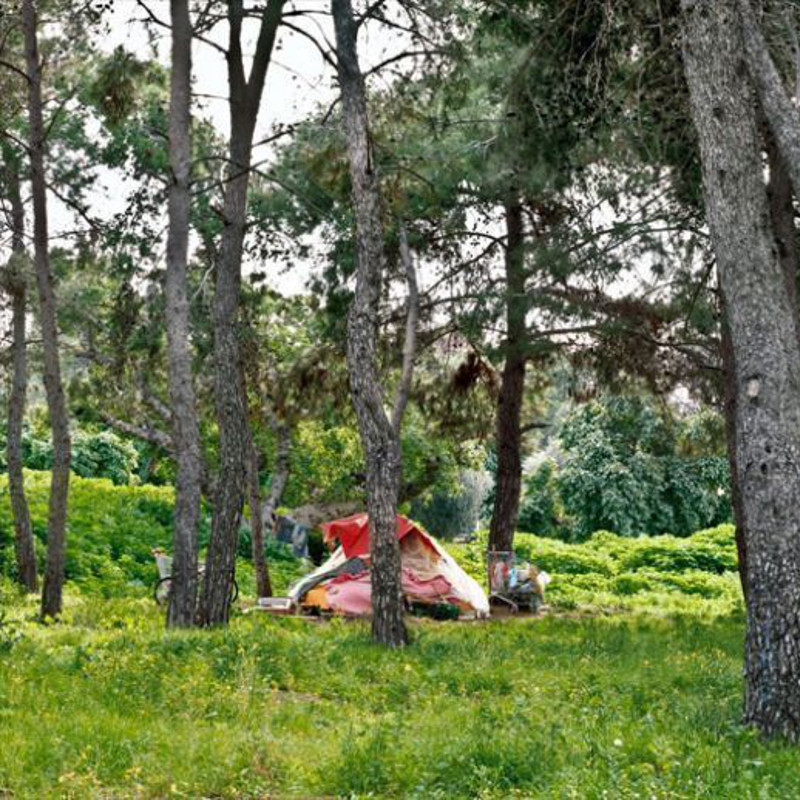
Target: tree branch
15,69
147,433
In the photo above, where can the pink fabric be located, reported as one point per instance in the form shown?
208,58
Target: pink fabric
437,588
352,594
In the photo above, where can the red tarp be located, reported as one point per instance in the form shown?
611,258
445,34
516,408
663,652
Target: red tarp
353,533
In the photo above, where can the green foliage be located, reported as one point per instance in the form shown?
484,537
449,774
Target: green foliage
95,454
446,513
623,470
538,507
659,573
104,455
114,87
326,464
111,532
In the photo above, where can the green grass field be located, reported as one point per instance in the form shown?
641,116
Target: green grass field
629,687
107,704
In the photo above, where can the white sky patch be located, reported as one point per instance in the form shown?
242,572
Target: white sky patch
299,82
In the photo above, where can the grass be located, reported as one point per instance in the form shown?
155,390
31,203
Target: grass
630,688
106,703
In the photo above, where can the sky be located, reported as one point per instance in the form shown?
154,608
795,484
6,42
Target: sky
299,81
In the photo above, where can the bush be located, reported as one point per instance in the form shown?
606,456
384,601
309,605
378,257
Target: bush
104,455
633,583
562,558
633,468
450,514
611,571
537,512
100,454
670,554
111,532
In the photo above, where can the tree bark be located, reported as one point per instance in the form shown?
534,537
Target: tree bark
229,389
281,469
767,357
781,206
379,440
729,399
781,113
410,340
508,433
56,404
16,286
185,428
263,583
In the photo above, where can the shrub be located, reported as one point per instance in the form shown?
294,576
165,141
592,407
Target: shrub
631,467
104,455
669,554
100,454
111,532
633,583
537,512
560,557
448,514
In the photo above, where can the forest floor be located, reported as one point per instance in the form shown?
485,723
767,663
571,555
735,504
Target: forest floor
108,704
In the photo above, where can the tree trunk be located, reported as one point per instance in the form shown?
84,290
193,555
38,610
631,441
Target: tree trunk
229,389
729,396
56,404
16,286
509,408
229,396
280,472
410,341
185,428
779,109
263,583
767,357
379,440
781,206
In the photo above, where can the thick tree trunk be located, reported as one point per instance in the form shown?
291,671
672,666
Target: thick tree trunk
263,583
185,427
56,404
16,286
508,432
229,388
767,357
379,440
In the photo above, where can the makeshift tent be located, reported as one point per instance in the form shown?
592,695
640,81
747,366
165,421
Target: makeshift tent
430,576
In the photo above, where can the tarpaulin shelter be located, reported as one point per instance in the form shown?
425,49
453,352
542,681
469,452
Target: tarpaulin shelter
429,574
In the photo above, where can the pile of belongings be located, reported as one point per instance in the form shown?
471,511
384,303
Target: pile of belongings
430,576
518,585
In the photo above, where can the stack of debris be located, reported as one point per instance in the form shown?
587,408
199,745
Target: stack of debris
430,576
